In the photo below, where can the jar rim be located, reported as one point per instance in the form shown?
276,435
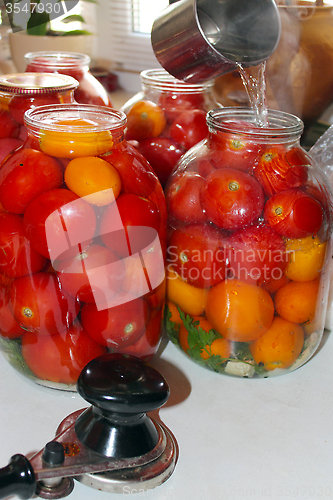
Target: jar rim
37,83
281,124
160,78
101,117
54,58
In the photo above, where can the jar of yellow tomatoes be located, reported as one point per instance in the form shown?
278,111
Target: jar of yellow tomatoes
89,91
167,118
249,244
22,91
82,245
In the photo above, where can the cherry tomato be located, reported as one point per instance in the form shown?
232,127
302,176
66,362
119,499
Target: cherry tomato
9,327
61,357
183,198
40,305
7,146
235,152
162,153
19,104
294,213
257,254
117,326
146,346
137,176
26,174
197,254
58,217
129,224
145,119
83,276
17,257
8,126
174,103
232,198
279,169
189,128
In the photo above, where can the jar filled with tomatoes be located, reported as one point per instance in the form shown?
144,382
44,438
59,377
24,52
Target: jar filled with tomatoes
82,245
167,118
249,246
89,91
22,91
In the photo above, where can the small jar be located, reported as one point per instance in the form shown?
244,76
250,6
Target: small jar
167,118
83,243
89,91
249,247
22,91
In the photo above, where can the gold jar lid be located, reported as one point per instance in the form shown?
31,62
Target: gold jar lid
37,83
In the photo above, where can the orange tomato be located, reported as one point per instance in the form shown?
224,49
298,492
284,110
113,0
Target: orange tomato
74,139
306,258
239,311
94,178
175,317
189,298
297,301
145,119
280,346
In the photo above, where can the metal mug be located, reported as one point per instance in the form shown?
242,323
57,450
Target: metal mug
197,40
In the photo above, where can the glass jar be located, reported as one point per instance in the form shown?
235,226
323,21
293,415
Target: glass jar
249,247
22,91
89,91
167,118
83,242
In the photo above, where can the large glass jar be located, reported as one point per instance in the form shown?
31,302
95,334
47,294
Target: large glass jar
249,246
89,91
167,118
82,245
22,91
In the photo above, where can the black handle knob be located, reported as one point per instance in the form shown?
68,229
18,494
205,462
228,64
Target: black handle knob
122,389
17,478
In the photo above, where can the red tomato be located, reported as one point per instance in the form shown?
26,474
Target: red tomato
7,146
9,327
279,169
232,198
8,126
294,213
19,104
140,219
145,119
189,128
39,304
56,218
137,176
257,254
147,345
61,357
83,275
26,174
174,103
235,153
162,153
17,257
183,198
197,254
117,326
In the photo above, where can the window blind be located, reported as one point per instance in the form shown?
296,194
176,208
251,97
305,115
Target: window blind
124,32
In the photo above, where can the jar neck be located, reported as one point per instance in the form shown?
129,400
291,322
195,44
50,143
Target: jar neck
161,80
283,128
76,119
57,61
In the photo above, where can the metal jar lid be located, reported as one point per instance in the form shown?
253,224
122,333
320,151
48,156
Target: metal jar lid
37,83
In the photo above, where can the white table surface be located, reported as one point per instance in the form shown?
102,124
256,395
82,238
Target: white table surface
238,438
